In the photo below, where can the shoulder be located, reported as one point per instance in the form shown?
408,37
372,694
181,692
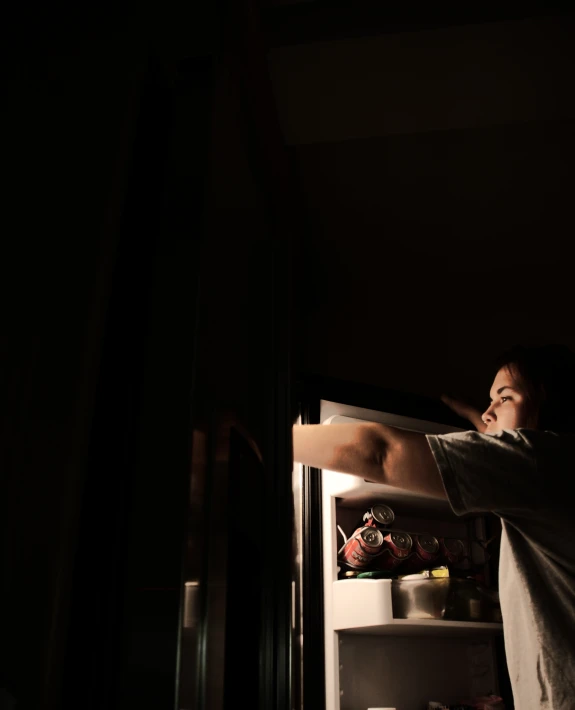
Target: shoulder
475,439
509,447
520,438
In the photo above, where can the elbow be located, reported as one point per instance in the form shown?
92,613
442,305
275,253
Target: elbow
362,454
375,449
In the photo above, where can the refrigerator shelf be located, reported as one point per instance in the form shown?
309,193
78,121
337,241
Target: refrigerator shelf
364,606
353,492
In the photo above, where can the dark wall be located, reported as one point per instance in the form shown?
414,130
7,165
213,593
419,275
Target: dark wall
437,171
74,91
72,107
467,255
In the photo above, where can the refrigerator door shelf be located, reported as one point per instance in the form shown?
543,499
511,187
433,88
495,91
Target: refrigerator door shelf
365,606
353,492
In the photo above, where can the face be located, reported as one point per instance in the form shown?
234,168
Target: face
510,407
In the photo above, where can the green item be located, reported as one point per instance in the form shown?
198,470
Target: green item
377,574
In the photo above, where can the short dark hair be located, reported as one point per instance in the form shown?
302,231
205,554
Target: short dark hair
548,374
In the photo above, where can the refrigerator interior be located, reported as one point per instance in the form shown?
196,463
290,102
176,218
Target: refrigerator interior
372,659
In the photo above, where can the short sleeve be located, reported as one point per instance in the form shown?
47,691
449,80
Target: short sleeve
487,473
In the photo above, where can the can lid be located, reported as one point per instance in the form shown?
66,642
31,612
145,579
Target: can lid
372,537
429,543
383,514
401,540
351,573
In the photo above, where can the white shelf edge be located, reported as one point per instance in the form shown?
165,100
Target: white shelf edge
365,606
333,413
354,490
429,627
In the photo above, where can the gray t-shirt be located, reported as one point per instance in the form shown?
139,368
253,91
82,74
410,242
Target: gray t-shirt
525,477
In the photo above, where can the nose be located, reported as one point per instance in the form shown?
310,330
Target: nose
489,415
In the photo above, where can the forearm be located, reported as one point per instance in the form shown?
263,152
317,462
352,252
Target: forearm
347,448
467,411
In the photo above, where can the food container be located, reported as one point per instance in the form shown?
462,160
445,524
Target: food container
442,598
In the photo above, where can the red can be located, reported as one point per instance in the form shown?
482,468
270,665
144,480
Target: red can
451,550
379,516
425,553
362,547
396,548
427,547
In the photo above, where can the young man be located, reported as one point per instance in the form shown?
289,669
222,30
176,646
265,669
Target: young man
519,465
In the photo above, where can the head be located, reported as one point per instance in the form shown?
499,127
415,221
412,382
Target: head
534,388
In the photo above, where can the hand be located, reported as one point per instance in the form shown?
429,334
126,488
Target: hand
467,411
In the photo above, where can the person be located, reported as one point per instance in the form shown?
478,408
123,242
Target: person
518,464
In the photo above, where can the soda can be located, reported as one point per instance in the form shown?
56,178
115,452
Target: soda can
427,547
398,543
451,550
396,548
361,548
379,515
425,553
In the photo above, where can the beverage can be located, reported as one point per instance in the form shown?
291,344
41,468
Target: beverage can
379,515
396,548
427,547
424,555
362,547
451,550
399,543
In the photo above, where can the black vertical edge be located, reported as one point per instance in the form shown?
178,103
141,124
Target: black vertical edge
272,172
313,622
201,664
284,526
193,84
284,478
93,665
123,637
245,592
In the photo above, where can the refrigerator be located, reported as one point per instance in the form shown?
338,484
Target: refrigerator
205,570
294,633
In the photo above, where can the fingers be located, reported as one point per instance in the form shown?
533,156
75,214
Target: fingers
457,405
464,410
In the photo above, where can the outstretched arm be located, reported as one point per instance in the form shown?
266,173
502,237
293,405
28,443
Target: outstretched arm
375,452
